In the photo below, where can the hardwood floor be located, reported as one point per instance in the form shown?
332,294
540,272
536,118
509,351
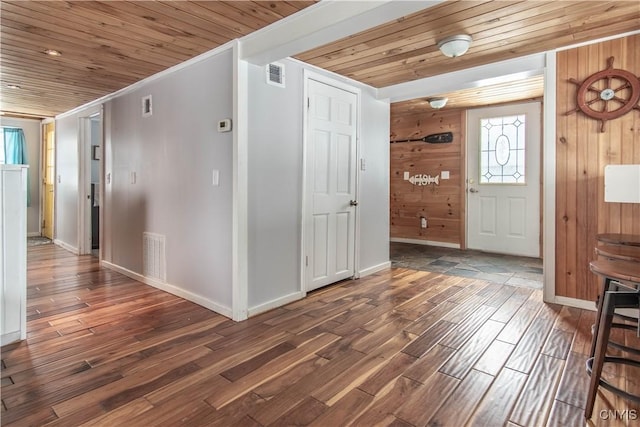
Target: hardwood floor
401,348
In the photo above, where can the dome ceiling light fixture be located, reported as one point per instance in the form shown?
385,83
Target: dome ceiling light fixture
437,103
454,46
53,52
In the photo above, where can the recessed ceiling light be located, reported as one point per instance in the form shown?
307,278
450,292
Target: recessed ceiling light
14,86
53,52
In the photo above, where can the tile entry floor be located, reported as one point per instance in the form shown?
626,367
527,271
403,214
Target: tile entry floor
503,269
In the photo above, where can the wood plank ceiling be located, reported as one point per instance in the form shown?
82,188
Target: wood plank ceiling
109,45
407,50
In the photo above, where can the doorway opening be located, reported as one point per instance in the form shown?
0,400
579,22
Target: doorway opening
48,180
90,185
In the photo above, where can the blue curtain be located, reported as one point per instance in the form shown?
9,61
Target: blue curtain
15,151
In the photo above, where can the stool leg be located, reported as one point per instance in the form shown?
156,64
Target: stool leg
600,343
605,284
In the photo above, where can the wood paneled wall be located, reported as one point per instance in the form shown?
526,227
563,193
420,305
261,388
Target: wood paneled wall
582,153
442,204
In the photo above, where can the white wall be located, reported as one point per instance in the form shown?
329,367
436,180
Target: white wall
67,158
173,154
95,140
374,183
275,183
33,139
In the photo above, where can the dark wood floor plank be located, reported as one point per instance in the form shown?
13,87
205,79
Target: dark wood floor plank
522,358
467,328
558,344
563,414
425,401
582,340
387,402
463,360
400,348
530,410
387,374
303,414
496,405
345,410
574,382
506,311
272,368
292,396
494,357
462,401
429,363
429,338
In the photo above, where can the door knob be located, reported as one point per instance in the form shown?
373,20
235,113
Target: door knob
473,190
353,203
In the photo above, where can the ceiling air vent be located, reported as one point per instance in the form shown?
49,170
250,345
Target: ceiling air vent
275,74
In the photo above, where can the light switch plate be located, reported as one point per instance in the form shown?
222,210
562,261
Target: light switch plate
216,178
406,175
444,174
133,177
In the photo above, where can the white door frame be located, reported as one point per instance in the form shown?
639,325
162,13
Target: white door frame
310,75
84,181
537,153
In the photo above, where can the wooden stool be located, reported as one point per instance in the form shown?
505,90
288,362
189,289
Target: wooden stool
618,253
620,289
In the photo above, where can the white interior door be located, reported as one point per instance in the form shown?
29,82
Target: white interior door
503,179
330,184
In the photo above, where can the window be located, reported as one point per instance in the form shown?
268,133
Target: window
502,150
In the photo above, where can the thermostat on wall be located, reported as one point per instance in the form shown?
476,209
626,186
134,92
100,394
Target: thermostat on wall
224,125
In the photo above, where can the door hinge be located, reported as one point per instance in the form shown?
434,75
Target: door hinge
306,261
308,103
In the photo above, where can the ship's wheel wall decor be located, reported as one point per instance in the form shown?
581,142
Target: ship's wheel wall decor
607,94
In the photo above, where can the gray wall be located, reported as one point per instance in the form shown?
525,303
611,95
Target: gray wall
32,134
173,154
275,183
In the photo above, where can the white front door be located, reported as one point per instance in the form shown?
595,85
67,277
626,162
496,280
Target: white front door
330,191
503,179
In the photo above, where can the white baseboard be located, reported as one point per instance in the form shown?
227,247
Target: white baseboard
182,293
10,337
425,242
573,302
33,234
66,246
375,269
278,302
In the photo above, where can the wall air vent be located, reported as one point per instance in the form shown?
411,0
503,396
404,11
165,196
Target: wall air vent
275,74
153,256
147,107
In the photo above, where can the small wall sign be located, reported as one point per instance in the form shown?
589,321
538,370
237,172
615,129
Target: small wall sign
424,179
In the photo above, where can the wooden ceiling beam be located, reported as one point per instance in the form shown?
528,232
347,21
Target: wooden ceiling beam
322,23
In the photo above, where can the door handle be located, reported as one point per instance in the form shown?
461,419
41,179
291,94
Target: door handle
473,190
353,203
